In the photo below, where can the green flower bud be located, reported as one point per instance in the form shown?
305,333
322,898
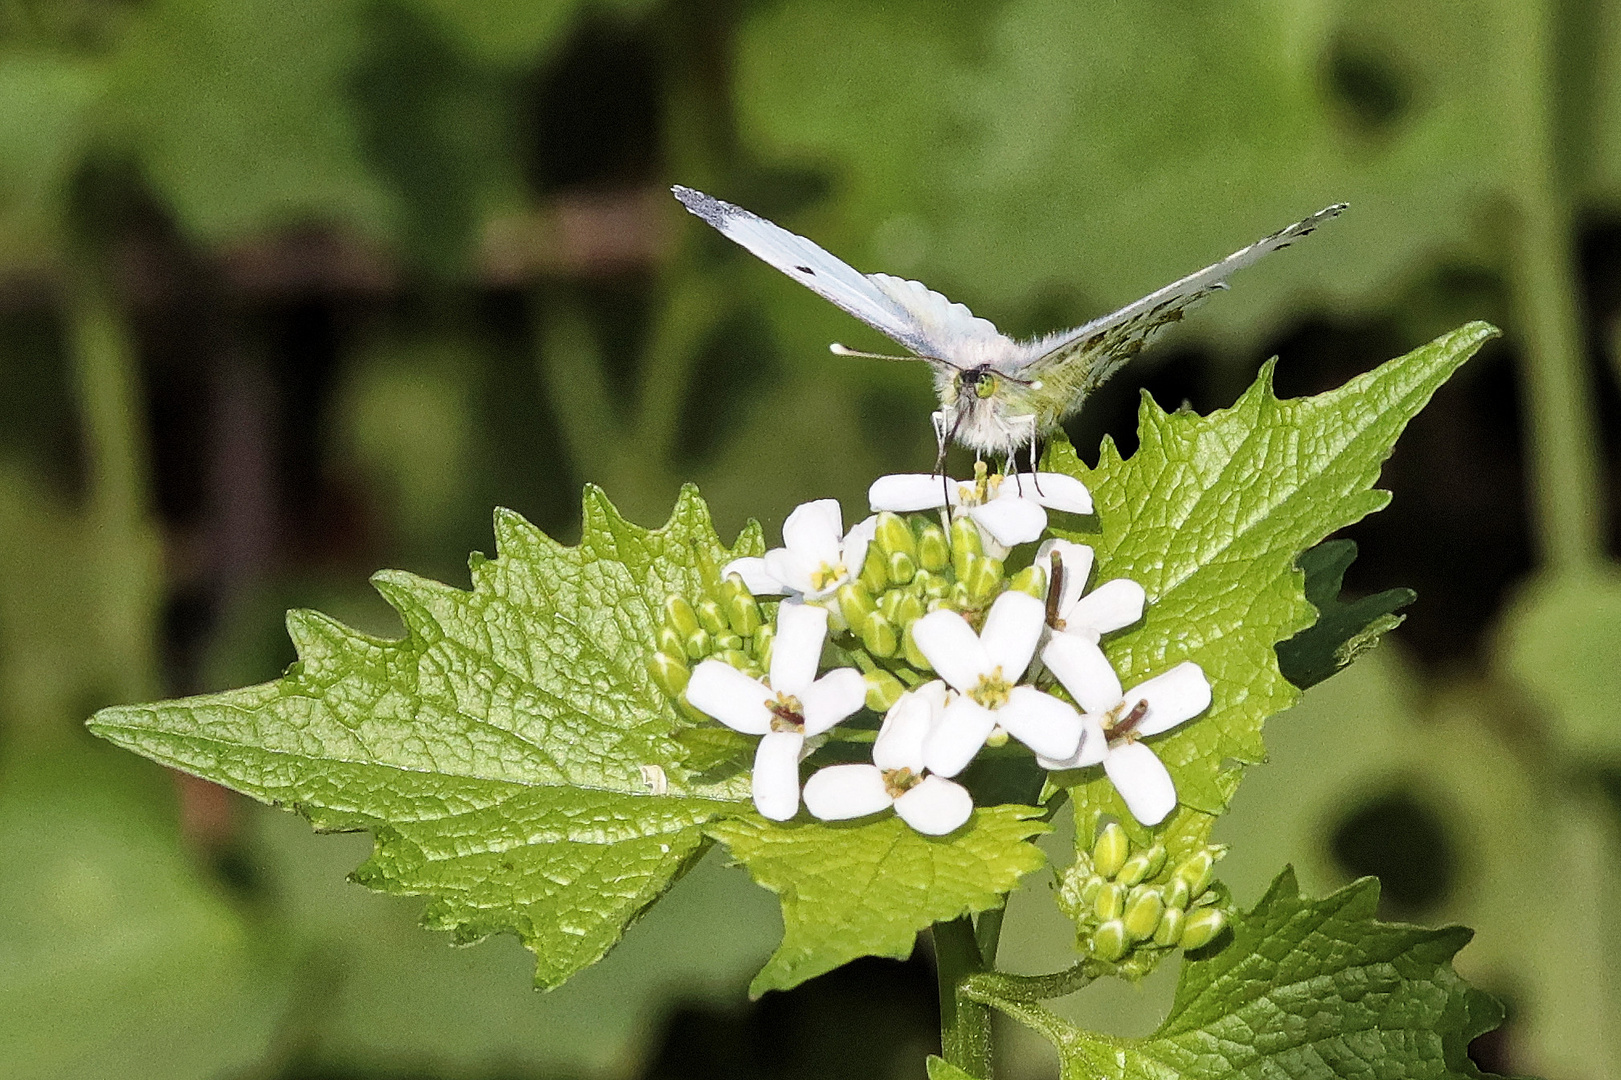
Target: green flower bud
1143,911
908,611
1109,853
732,588
964,543
984,580
1110,901
933,549
1198,870
1156,859
1177,894
690,711
669,673
1031,580
895,537
932,585
735,657
879,635
997,737
1169,931
699,644
890,602
671,641
1206,898
873,573
763,638
728,641
679,614
1089,890
958,599
743,612
883,690
711,617
900,567
1109,941
856,603
1202,926
1134,869
913,654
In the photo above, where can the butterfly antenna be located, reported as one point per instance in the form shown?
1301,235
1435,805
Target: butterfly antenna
841,350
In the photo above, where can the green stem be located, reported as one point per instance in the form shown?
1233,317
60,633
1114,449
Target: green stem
127,552
1038,1018
1004,985
1563,440
965,1025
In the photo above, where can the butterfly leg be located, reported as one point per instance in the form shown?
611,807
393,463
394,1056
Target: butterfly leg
942,436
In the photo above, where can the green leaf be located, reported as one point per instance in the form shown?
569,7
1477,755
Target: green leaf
867,889
1343,630
941,1069
1210,515
496,752
1301,988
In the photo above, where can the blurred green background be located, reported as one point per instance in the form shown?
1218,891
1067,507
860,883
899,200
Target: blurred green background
291,291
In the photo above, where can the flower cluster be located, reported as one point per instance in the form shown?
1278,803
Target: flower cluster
1130,907
957,653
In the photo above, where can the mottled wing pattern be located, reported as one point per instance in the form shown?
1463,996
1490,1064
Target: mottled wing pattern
1080,360
907,311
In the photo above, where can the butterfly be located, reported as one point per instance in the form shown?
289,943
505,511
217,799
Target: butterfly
997,395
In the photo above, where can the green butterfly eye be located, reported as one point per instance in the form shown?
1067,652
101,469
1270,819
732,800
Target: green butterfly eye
986,386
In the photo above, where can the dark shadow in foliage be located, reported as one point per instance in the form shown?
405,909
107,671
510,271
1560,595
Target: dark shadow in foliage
869,1019
737,364
1367,83
428,122
1404,843
1343,630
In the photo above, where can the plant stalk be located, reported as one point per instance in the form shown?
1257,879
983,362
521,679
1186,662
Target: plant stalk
965,1026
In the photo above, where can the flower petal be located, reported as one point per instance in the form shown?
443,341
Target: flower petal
1009,519
854,552
1108,607
1012,629
957,737
792,569
1142,782
1050,727
831,698
1093,749
935,807
1083,669
905,492
907,724
1178,695
839,792
1077,562
952,648
776,775
756,578
1058,491
720,690
814,531
797,649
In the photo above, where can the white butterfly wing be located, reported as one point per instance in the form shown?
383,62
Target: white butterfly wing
1097,350
907,311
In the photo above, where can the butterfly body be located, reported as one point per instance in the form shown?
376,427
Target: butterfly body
997,395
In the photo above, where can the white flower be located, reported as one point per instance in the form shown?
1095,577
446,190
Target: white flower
785,708
1115,719
1108,607
1009,510
984,669
817,555
930,804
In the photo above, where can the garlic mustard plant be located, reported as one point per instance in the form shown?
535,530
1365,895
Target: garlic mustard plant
546,753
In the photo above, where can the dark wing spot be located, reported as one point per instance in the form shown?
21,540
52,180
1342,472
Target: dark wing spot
805,270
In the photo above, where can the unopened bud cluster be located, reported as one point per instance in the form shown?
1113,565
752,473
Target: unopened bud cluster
913,567
728,627
1131,907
